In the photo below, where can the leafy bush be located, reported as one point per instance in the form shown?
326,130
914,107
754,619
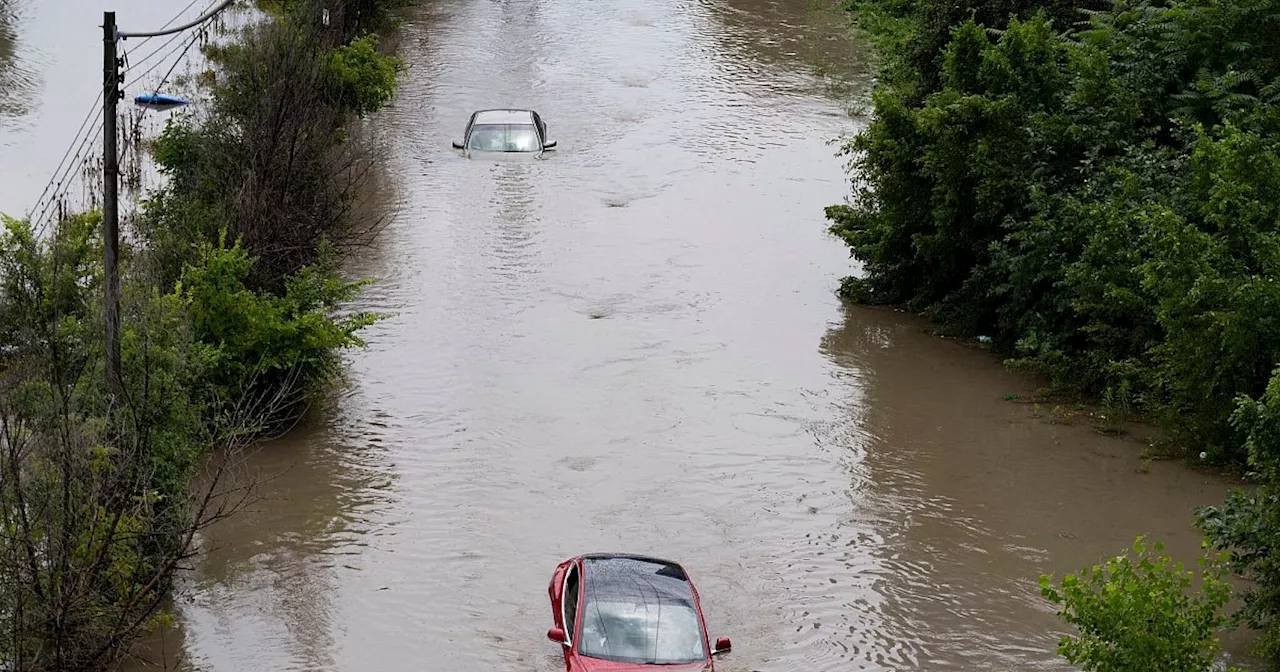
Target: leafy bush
366,80
261,345
1134,614
95,505
941,179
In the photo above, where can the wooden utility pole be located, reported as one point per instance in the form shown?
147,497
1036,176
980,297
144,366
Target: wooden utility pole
111,93
111,65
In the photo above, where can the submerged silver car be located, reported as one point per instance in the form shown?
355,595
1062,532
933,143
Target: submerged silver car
506,131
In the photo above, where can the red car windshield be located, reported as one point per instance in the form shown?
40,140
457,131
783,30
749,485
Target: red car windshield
637,611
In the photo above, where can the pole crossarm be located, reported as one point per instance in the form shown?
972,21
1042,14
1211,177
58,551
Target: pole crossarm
177,29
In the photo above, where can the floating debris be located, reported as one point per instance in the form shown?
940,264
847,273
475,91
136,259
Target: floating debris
159,101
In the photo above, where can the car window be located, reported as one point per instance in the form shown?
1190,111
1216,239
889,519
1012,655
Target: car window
571,602
639,611
656,634
504,138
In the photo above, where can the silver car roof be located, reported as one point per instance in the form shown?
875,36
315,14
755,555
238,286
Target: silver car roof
504,117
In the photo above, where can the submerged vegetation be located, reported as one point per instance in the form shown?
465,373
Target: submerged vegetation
1094,185
230,326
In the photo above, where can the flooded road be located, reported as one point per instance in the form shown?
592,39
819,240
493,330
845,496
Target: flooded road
634,346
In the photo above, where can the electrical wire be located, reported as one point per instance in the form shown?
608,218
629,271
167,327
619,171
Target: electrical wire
172,39
54,178
192,24
41,221
199,34
181,12
151,54
190,42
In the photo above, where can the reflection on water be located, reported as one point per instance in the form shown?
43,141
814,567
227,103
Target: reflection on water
801,46
967,499
265,594
614,349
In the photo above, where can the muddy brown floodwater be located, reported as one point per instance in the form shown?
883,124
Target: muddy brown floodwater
634,346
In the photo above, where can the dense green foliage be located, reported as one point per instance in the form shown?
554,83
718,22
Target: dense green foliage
366,79
1134,614
258,342
230,325
1094,195
1248,523
1095,187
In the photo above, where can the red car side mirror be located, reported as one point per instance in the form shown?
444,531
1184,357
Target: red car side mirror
722,646
557,635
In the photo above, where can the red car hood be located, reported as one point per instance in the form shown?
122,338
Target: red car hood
584,664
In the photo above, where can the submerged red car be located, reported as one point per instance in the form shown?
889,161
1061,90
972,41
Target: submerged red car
622,613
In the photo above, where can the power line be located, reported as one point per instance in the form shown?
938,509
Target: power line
54,178
209,14
45,208
181,12
50,209
199,34
171,40
154,66
191,24
42,220
157,50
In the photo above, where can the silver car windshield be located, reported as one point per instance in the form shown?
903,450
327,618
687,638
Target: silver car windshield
504,138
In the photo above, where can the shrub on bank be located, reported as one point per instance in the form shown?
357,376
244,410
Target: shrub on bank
262,346
365,79
94,505
1248,523
1096,190
1134,614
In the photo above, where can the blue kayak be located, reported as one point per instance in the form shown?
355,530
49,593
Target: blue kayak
159,101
